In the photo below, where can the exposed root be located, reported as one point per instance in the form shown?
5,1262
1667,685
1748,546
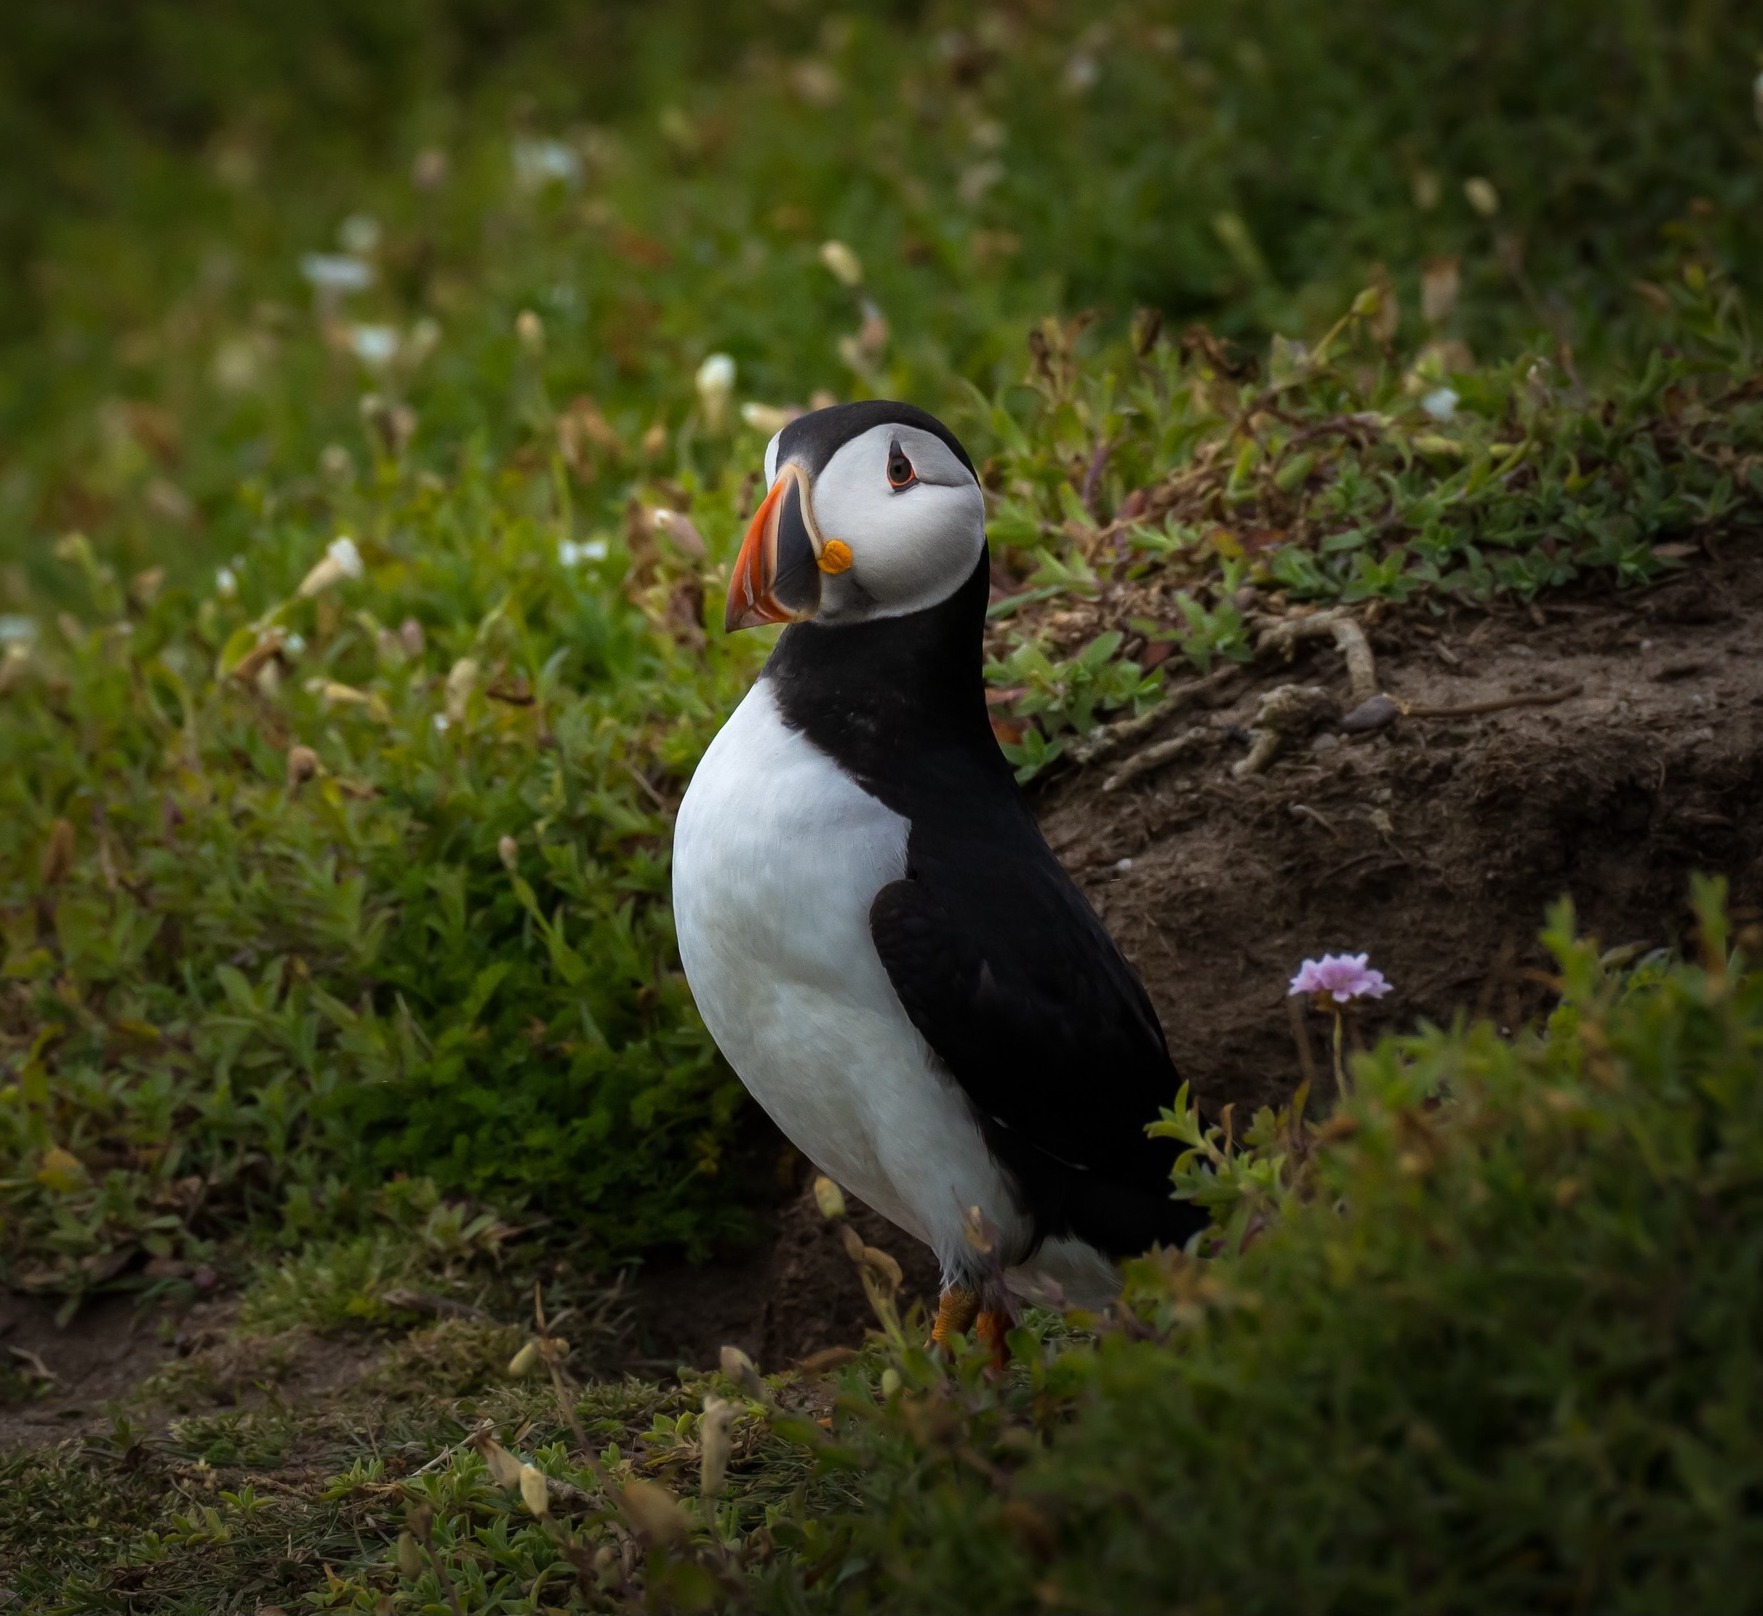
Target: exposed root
1104,742
1284,711
1495,704
1158,754
1338,624
1380,711
1283,636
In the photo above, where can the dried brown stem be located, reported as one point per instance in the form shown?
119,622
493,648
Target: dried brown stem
1495,704
1156,755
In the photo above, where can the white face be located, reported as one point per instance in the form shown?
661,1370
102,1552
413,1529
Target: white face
911,514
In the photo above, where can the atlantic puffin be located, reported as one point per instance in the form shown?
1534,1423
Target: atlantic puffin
876,934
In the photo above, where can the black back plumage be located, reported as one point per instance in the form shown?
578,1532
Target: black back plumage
998,959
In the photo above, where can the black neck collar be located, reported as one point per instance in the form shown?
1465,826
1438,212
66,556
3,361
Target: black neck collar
873,695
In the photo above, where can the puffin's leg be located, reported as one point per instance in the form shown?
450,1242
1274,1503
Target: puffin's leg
958,1309
990,1329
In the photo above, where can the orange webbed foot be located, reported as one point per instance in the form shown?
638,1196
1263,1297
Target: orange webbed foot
991,1328
956,1310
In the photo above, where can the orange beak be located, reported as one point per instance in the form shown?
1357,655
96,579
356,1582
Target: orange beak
777,574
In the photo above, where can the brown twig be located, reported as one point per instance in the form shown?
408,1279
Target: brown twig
1495,704
648,788
1156,755
1101,743
439,1459
1093,475
551,1352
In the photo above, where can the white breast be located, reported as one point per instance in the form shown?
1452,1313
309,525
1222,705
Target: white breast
777,857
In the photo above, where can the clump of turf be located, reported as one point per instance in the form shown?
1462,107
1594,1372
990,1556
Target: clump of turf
1498,1349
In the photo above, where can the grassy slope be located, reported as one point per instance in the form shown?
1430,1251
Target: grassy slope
238,995
1486,1336
1499,1353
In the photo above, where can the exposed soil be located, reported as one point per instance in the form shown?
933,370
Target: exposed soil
1437,843
795,1297
113,1345
104,1353
1434,843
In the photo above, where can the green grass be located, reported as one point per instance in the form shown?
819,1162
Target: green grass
1486,1337
337,960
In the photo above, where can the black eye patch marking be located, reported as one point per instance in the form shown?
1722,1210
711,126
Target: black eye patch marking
900,472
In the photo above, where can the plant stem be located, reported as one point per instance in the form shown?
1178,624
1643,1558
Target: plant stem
1340,1070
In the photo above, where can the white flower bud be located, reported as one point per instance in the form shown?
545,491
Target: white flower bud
713,1438
503,1467
333,274
461,681
829,1198
655,1512
715,382
342,551
341,560
359,234
302,765
846,266
424,338
766,418
533,1492
681,533
376,346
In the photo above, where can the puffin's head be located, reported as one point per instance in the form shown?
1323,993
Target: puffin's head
873,510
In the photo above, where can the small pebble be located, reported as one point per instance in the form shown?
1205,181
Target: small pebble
1325,742
1374,713
1123,864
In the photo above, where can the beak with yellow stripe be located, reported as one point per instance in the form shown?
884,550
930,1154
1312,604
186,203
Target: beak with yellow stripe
777,574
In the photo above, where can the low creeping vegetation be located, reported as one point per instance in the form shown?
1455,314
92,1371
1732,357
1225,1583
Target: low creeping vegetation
1160,498
383,398
1484,1338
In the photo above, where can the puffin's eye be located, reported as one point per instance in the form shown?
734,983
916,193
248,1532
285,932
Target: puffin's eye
900,472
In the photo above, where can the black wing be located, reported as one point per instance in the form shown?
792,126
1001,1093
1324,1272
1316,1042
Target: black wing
1009,975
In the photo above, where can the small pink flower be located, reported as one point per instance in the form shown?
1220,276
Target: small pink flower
1343,977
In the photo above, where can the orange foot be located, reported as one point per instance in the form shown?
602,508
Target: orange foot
955,1312
990,1328
959,1310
